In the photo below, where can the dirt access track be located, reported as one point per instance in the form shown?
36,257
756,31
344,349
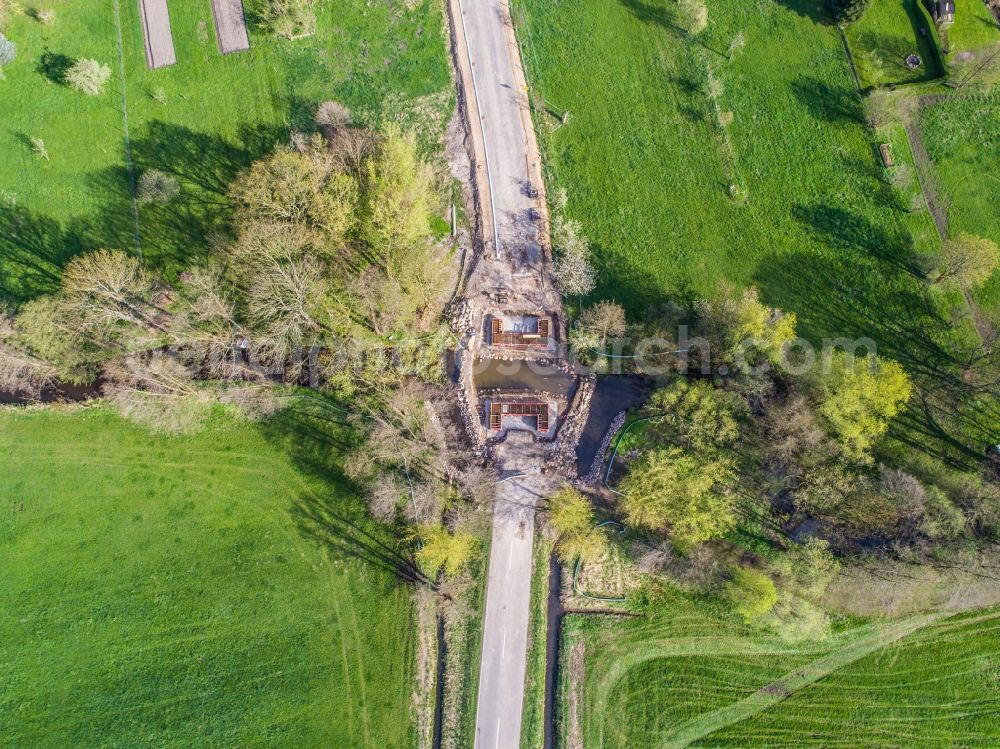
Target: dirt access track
156,33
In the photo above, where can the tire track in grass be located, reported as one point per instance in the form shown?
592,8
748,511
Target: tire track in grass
693,646
360,664
344,659
795,681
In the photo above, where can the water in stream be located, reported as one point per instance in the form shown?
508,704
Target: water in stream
521,375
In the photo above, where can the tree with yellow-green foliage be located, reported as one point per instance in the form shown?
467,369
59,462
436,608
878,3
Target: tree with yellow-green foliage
698,415
571,517
301,189
752,593
442,550
744,327
688,496
398,195
859,398
968,260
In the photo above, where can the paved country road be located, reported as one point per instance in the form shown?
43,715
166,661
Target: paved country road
505,632
484,40
508,595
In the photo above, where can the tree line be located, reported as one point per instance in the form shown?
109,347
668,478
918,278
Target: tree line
335,273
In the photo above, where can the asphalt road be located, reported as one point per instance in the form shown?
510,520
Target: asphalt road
514,210
505,630
507,158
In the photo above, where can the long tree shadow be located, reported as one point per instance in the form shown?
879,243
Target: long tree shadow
865,287
843,230
815,10
207,161
33,250
317,439
826,102
659,15
35,247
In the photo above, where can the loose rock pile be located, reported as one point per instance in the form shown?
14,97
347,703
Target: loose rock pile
593,476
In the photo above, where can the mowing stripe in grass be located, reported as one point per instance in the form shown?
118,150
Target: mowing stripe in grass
779,690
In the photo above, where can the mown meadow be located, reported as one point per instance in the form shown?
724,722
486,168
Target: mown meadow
202,120
223,589
962,136
694,678
673,201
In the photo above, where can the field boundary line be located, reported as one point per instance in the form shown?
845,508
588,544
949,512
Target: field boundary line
129,165
793,682
850,59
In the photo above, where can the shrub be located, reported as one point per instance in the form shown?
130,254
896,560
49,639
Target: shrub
442,550
571,518
291,18
8,51
38,146
752,593
694,15
88,76
157,187
333,114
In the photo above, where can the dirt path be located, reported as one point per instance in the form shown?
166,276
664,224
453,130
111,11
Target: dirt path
156,33
230,26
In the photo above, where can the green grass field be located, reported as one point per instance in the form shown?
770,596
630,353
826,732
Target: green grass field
649,169
203,119
205,591
962,136
883,38
740,157
686,677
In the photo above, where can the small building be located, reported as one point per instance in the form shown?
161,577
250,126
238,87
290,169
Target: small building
944,12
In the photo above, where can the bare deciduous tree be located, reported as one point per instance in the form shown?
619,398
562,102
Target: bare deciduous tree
107,288
598,323
333,115
156,186
573,269
157,391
